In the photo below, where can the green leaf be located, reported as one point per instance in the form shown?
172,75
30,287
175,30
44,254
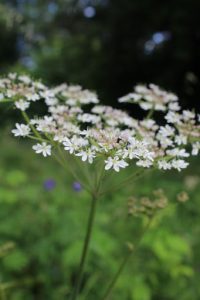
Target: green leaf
8,196
140,290
15,261
15,178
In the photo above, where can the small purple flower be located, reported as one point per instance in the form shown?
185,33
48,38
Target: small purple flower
77,186
49,184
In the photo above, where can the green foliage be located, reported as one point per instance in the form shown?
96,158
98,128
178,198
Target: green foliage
47,230
109,52
10,21
15,261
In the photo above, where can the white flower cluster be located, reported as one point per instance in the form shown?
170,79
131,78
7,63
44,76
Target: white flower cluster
76,123
152,97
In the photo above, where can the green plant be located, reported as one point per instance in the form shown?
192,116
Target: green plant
106,145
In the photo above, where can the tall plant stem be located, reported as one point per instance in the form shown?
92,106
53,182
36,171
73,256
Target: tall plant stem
124,262
117,275
85,246
2,294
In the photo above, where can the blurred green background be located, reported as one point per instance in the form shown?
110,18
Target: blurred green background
108,46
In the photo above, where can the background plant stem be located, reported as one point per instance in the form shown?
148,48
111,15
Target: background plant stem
124,262
85,246
2,294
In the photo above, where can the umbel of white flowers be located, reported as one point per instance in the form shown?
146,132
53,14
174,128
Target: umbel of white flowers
78,123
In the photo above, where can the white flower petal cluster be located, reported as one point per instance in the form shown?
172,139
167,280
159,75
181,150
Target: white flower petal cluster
22,104
87,155
76,123
115,163
21,130
43,148
152,97
20,88
1,97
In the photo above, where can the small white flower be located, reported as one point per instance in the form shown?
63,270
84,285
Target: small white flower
12,76
1,96
32,97
10,93
51,101
115,163
21,130
69,145
45,125
47,94
24,79
131,97
173,117
195,148
181,140
144,163
87,155
98,109
130,152
188,115
71,102
145,105
165,142
177,152
163,164
141,89
42,148
74,144
88,118
166,131
174,106
179,164
59,138
22,105
149,123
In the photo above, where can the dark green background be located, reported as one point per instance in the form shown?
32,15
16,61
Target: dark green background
55,41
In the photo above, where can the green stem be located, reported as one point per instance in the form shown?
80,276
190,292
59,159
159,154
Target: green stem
70,170
37,139
85,246
26,118
6,101
150,113
99,179
116,187
117,275
2,293
124,263
83,168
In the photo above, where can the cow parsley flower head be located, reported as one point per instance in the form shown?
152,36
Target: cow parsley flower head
76,124
152,97
76,128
